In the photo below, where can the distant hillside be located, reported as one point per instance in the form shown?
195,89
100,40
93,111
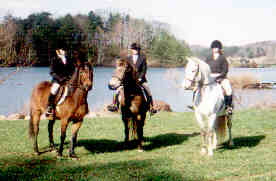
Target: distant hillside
260,52
253,50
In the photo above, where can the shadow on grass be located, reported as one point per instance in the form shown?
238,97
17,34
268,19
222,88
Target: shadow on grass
246,141
102,146
167,140
47,169
24,168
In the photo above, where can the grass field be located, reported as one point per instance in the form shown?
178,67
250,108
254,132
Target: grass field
172,145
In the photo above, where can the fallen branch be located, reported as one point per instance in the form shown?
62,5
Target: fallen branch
9,75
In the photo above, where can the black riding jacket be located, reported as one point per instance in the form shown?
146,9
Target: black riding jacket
61,72
220,65
141,67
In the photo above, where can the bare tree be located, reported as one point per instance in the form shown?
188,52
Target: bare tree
7,40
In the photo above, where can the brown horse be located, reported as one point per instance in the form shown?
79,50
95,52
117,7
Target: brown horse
133,104
74,108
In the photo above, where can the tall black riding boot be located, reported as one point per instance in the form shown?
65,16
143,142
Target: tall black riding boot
51,105
150,101
229,104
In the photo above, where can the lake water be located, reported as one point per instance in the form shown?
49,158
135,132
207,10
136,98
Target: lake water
16,90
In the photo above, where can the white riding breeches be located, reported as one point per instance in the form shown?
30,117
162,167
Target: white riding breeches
54,88
119,89
226,85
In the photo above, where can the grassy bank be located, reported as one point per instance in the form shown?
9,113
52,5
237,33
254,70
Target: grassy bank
171,151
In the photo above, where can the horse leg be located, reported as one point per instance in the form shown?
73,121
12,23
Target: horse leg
140,121
211,134
229,125
210,148
34,128
127,127
214,137
203,133
50,132
75,129
64,124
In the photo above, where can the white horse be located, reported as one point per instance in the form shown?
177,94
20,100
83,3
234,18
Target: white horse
208,104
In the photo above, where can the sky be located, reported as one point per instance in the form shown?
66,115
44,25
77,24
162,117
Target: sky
234,22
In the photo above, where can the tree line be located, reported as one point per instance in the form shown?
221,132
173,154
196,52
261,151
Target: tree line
32,41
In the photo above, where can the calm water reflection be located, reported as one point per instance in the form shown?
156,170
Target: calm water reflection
164,83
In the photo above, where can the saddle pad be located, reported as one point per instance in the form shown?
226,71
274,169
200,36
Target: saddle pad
62,94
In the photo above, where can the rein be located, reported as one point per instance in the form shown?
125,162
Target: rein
193,81
73,84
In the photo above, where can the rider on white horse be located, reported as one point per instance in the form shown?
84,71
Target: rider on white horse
219,69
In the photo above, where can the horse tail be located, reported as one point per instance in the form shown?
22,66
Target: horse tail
221,127
31,125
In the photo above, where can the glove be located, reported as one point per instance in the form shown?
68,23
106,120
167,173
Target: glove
215,75
59,78
61,54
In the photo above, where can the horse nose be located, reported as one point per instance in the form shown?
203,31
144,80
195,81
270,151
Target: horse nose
186,84
111,87
88,86
113,84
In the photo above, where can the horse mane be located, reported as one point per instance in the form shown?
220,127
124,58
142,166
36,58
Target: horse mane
127,64
204,68
73,82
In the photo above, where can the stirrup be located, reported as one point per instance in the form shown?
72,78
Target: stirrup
152,111
229,110
49,111
112,108
50,114
191,107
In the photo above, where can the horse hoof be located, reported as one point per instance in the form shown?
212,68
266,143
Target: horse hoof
203,151
37,153
53,149
210,153
59,155
140,150
74,157
231,143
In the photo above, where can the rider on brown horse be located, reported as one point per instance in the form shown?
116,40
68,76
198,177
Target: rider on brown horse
61,70
138,61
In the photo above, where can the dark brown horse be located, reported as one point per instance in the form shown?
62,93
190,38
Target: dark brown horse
133,104
74,108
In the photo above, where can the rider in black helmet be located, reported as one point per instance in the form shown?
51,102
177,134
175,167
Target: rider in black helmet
219,69
138,60
61,70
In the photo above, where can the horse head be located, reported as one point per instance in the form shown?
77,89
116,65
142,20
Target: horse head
197,73
192,74
83,77
124,74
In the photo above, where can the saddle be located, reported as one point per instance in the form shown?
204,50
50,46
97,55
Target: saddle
116,98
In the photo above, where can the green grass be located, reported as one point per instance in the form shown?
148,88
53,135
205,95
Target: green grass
171,151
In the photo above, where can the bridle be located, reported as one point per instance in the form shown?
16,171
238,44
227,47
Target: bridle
82,75
193,81
120,79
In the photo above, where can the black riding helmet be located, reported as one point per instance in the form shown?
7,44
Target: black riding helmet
135,46
216,44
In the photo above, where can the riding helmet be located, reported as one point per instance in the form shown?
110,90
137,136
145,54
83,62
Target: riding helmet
135,46
216,44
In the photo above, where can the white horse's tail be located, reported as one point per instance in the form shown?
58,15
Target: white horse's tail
221,128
